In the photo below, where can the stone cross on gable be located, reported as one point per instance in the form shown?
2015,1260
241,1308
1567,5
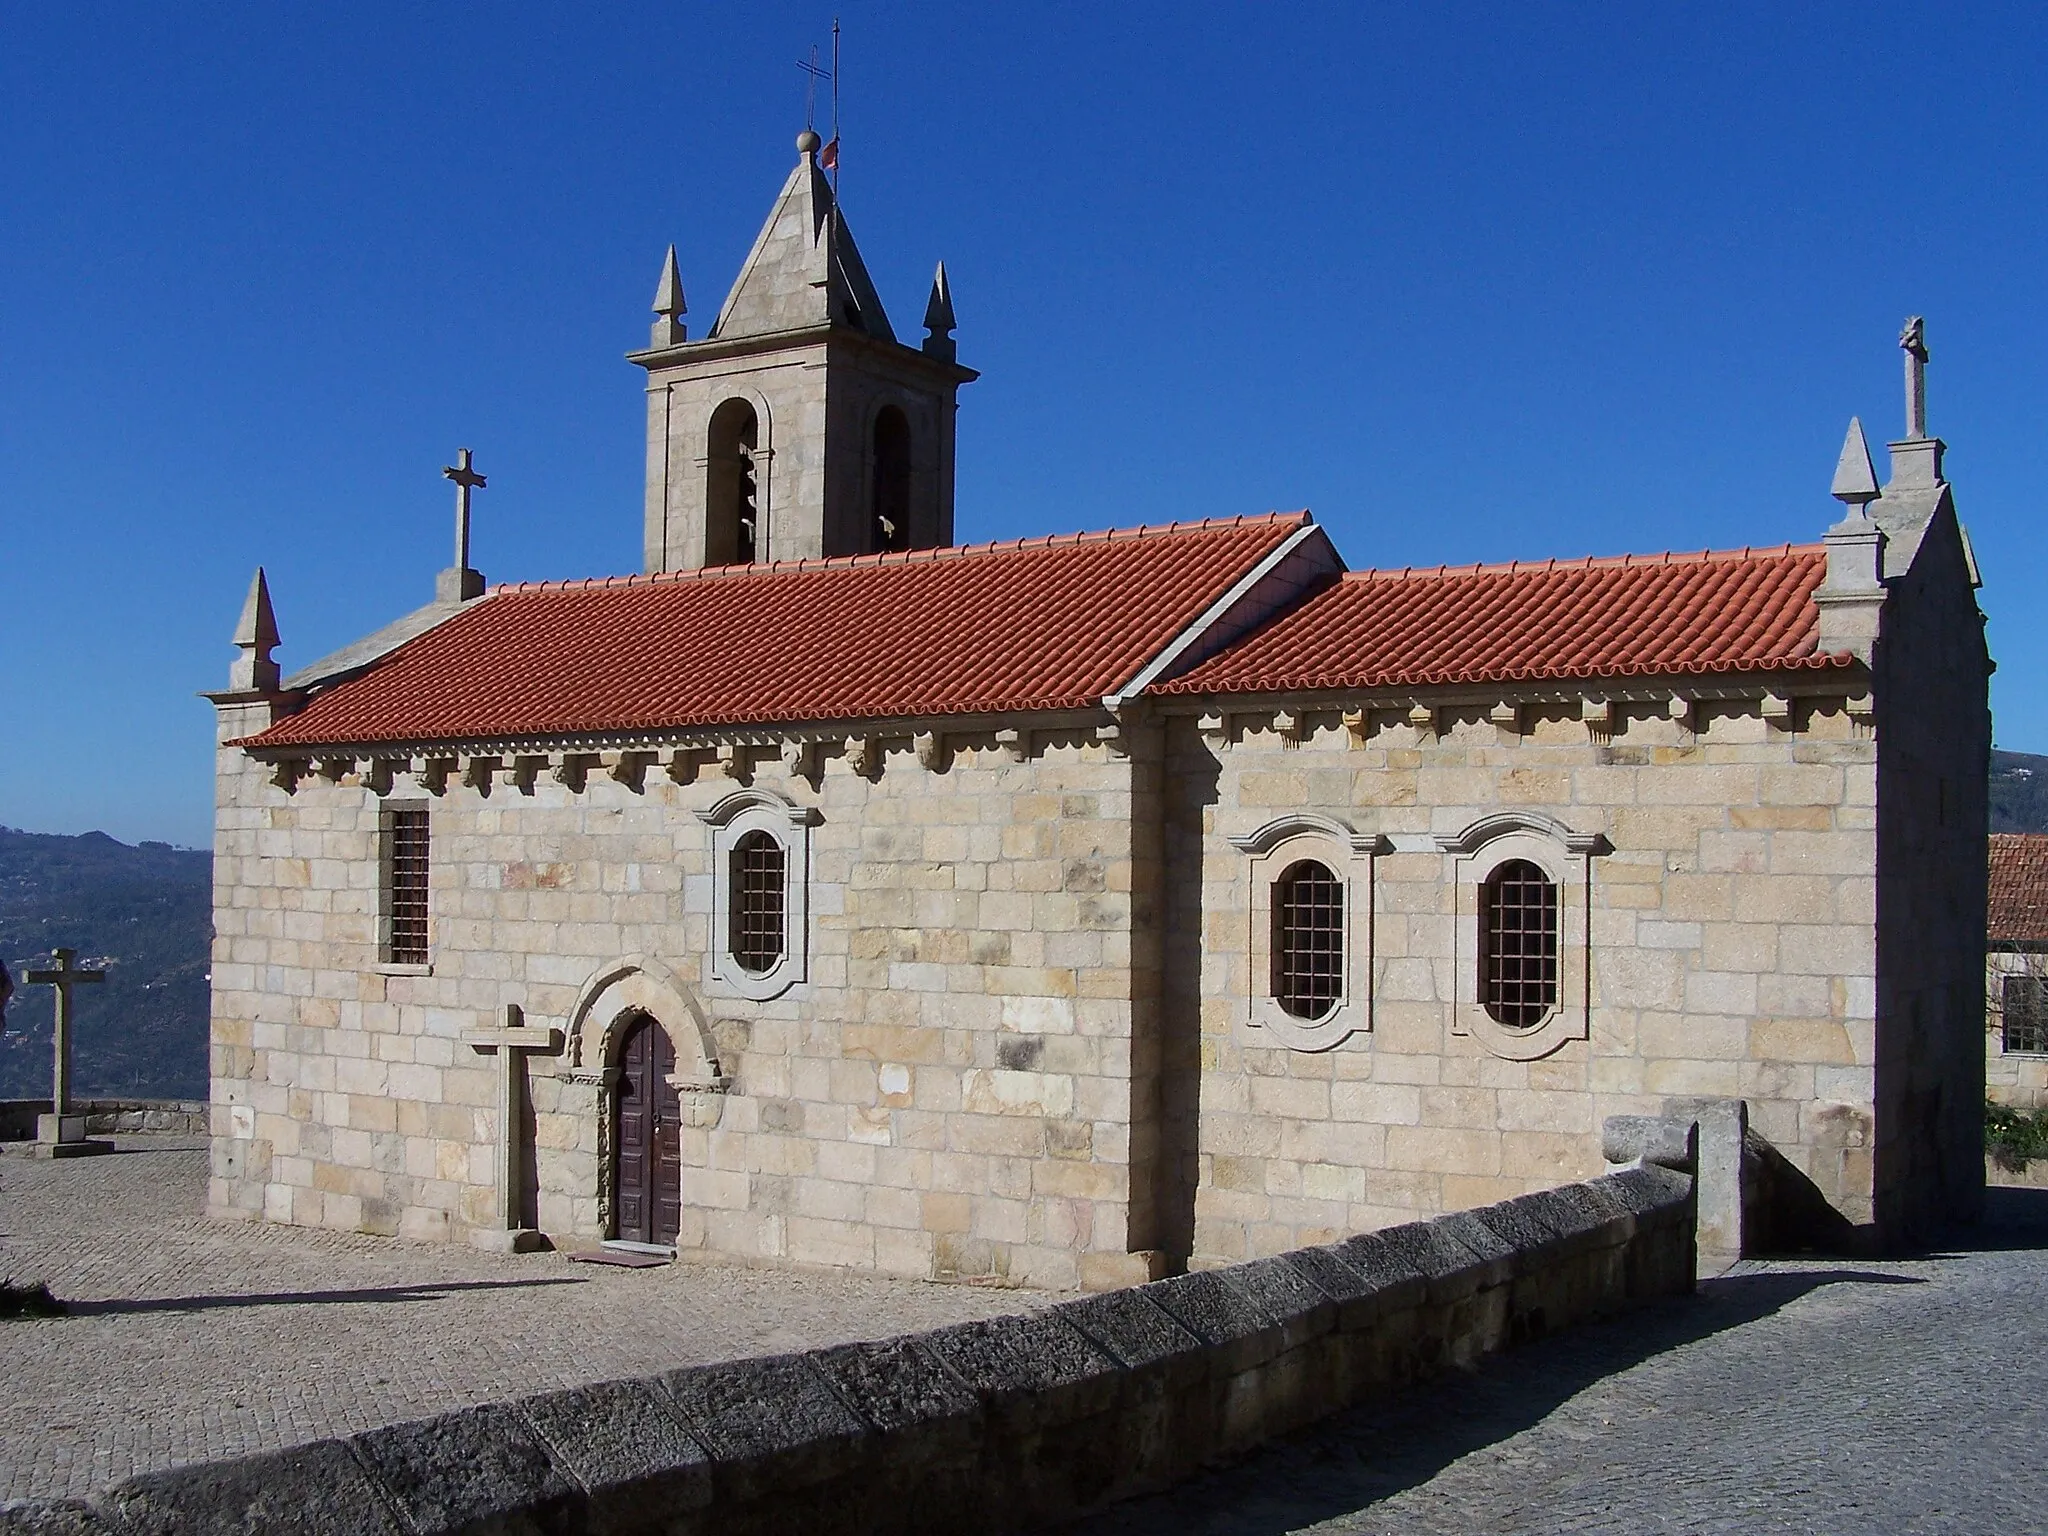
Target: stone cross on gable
513,1042
1913,340
466,480
51,1129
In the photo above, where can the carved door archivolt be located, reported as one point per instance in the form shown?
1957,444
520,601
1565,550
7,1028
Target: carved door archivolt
647,1194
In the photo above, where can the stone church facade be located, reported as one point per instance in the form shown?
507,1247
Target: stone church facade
1069,911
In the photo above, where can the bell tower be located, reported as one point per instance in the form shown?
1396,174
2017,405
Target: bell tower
798,425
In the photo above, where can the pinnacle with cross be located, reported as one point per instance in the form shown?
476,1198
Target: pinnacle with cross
459,583
1913,342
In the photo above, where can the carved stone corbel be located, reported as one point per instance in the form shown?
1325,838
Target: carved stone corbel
1777,711
1215,731
1357,726
378,775
1598,717
570,769
1013,743
1507,721
1287,726
336,768
626,766
435,773
1114,738
863,755
1423,718
479,772
526,769
799,758
285,773
931,750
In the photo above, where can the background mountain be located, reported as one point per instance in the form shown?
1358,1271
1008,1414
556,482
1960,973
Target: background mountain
146,914
2019,792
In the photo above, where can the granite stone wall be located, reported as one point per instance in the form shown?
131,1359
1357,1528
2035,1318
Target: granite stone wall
1718,938
948,1093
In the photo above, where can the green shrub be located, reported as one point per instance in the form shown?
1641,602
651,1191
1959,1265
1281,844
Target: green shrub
2015,1137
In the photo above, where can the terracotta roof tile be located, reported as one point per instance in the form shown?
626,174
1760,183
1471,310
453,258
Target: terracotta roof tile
1037,624
2018,911
1657,615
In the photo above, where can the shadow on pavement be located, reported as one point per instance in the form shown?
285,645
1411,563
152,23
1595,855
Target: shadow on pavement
376,1295
1355,1459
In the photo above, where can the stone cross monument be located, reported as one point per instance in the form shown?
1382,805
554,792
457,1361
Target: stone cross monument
458,584
61,1133
1913,341
513,1043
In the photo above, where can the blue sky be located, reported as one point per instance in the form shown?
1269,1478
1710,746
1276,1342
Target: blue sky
1472,282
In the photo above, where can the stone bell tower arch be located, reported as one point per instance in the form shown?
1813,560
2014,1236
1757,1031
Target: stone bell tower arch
798,426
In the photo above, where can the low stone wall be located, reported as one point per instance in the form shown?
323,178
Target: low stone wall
104,1117
999,1425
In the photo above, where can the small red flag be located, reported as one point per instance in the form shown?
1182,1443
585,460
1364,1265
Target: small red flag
829,158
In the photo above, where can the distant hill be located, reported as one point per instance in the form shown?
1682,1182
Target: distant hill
2019,792
146,914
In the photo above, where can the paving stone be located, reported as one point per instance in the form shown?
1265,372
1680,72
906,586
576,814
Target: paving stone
460,1471
311,1489
1814,1396
192,1340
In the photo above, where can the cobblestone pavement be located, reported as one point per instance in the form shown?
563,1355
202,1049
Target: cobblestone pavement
1812,1396
191,1339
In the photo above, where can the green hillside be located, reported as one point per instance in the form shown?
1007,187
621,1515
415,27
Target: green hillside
146,914
2019,792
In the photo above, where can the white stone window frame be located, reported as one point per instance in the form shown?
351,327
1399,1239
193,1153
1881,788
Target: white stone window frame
387,808
731,818
1566,858
1274,849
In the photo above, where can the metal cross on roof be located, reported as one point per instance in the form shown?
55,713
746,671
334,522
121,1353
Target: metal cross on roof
466,479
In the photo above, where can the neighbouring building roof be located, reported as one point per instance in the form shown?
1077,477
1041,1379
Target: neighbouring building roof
2019,889
1666,615
1034,624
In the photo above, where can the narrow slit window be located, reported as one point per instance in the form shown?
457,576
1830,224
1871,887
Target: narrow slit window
1308,940
2026,1017
1518,945
405,885
757,902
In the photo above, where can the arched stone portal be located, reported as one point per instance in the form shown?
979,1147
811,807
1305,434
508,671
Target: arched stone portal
609,1009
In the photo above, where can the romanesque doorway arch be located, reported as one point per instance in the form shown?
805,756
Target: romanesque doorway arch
647,1169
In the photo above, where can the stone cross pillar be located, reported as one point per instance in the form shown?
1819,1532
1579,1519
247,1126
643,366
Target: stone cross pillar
513,1043
60,1128
1913,342
458,584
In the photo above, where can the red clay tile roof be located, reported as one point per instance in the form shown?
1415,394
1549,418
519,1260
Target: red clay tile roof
1036,624
2019,889
1657,615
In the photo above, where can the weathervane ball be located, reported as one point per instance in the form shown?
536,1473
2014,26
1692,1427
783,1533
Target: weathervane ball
807,143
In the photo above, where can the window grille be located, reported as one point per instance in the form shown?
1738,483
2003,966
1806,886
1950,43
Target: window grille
2026,1015
405,885
1518,945
1308,940
756,902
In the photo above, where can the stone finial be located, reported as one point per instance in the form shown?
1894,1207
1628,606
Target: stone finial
1916,458
256,637
1855,476
939,319
669,307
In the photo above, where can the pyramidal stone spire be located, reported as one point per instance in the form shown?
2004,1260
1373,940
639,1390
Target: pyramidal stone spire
804,270
1855,476
939,320
256,637
669,329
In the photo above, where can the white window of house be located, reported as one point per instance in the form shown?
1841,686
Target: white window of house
1310,943
760,872
2023,1001
1523,884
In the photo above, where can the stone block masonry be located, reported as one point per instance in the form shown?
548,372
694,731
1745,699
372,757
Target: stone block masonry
1003,1424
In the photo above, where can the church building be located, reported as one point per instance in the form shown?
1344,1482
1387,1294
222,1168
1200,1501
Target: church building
1072,910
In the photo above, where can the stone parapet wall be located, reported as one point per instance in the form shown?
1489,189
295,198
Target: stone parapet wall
104,1117
1005,1424
1719,942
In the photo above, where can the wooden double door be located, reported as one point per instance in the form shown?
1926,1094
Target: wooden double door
647,1174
